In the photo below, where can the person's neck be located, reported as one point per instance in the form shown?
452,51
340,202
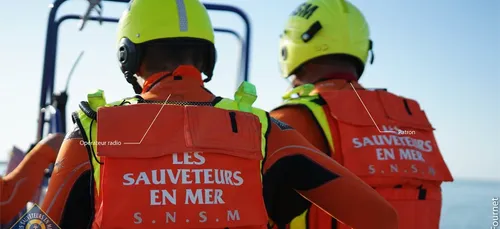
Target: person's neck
347,76
330,75
184,73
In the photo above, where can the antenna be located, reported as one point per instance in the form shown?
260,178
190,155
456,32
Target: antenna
72,70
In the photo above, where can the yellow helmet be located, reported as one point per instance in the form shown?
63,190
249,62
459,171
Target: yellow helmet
324,27
149,20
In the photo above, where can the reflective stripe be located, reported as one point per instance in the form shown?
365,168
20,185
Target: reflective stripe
14,192
181,11
60,188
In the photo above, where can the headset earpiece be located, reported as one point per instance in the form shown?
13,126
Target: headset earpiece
209,66
129,56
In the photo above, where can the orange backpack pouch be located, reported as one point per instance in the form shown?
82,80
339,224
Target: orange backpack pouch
183,167
400,146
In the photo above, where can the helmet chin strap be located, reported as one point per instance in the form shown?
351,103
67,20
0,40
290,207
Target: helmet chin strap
131,79
289,80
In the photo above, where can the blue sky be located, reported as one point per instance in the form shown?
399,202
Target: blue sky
442,53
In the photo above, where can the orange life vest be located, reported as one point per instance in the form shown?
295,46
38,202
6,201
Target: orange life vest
188,167
398,156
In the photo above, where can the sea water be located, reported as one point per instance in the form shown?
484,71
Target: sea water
467,204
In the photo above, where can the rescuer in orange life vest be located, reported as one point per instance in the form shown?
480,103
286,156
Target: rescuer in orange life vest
325,45
177,156
19,186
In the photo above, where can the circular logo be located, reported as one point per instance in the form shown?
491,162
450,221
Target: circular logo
35,224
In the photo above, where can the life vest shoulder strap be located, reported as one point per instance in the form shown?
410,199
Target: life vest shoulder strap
303,95
86,119
96,100
244,98
314,104
87,114
300,91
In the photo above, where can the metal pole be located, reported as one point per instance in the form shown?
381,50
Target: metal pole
48,66
246,19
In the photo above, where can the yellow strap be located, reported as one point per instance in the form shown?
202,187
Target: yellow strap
300,222
303,91
318,113
96,100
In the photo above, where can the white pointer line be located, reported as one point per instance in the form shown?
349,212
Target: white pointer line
144,136
380,131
